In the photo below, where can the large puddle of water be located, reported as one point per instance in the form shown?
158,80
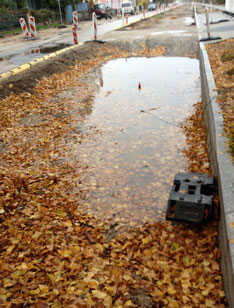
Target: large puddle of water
133,159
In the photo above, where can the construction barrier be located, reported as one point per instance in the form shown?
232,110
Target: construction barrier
126,19
32,27
75,19
94,18
24,27
75,38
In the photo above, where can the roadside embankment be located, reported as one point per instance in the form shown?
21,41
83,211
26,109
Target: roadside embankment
223,170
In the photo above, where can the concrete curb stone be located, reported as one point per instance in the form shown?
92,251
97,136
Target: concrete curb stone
223,170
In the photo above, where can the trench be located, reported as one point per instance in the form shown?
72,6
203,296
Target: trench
135,143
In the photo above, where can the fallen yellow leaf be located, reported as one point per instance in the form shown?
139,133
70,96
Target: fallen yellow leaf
171,290
93,284
35,292
99,294
43,288
107,301
128,303
145,240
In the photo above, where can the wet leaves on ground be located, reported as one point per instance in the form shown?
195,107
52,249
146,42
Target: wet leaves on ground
51,255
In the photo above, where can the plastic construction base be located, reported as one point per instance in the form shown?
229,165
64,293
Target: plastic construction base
210,39
96,41
191,198
31,38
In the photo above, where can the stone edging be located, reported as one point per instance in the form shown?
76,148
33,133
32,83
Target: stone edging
223,170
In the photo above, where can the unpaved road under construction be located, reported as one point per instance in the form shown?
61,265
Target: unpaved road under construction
121,118
90,142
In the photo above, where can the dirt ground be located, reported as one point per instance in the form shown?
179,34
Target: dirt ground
51,254
179,39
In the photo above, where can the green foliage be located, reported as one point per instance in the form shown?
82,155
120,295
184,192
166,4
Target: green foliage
21,4
143,2
39,27
6,11
219,2
48,4
53,4
6,4
43,15
6,8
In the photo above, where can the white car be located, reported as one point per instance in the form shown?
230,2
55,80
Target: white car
127,8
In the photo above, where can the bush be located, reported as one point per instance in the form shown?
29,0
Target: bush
43,15
6,11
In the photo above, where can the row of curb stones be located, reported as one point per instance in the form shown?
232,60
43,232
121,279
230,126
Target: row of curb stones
222,168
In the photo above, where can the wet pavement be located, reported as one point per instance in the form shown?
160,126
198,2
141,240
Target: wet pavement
135,143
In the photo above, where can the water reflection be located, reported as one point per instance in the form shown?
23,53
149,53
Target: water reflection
134,157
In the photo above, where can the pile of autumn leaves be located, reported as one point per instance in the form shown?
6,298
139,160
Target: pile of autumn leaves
221,56
52,256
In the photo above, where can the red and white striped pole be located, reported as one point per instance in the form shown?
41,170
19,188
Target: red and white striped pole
32,27
24,27
75,38
207,23
211,11
75,19
118,13
94,18
126,19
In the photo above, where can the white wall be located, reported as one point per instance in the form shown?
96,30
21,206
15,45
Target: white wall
229,5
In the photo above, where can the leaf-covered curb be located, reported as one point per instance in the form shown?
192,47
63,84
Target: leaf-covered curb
221,56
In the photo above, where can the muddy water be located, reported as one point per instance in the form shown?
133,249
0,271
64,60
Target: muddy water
137,151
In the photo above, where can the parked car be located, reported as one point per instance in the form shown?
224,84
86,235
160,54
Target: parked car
102,11
127,8
152,7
